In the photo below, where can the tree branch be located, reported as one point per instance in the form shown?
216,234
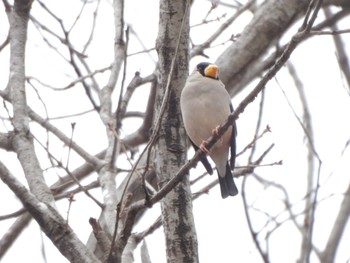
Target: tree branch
328,255
50,221
22,141
238,62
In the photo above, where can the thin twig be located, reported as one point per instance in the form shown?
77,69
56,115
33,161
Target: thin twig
162,108
118,113
264,255
70,174
198,50
74,82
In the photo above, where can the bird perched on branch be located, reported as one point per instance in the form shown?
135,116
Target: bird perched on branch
205,104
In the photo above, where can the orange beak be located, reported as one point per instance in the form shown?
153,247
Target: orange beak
211,71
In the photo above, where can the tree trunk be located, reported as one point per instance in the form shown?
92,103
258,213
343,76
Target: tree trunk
170,148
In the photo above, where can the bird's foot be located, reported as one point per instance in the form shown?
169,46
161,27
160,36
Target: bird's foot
203,147
216,132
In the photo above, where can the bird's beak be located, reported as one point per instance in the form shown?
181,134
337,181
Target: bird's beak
211,71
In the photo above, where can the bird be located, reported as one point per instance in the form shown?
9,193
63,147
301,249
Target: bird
205,105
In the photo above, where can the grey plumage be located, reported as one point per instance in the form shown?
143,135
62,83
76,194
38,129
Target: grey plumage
205,104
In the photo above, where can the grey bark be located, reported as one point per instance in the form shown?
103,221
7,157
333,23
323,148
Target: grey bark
170,149
22,141
50,221
12,233
240,64
342,219
39,201
242,61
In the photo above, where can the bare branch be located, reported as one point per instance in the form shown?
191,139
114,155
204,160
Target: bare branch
239,61
328,255
198,50
12,233
296,39
65,139
311,154
263,254
5,43
50,221
343,59
74,82
6,141
102,238
23,144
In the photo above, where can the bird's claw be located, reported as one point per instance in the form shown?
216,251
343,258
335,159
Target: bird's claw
203,147
216,132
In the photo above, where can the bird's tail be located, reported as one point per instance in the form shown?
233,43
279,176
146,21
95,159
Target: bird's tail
227,185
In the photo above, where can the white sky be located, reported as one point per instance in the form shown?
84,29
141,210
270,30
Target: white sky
221,228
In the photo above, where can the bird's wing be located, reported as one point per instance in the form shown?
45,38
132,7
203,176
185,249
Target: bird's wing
233,142
203,159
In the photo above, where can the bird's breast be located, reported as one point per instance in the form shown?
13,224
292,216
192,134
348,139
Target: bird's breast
203,114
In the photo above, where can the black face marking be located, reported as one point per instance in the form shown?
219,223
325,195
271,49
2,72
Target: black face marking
201,67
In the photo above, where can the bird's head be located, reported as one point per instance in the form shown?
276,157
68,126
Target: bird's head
208,70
